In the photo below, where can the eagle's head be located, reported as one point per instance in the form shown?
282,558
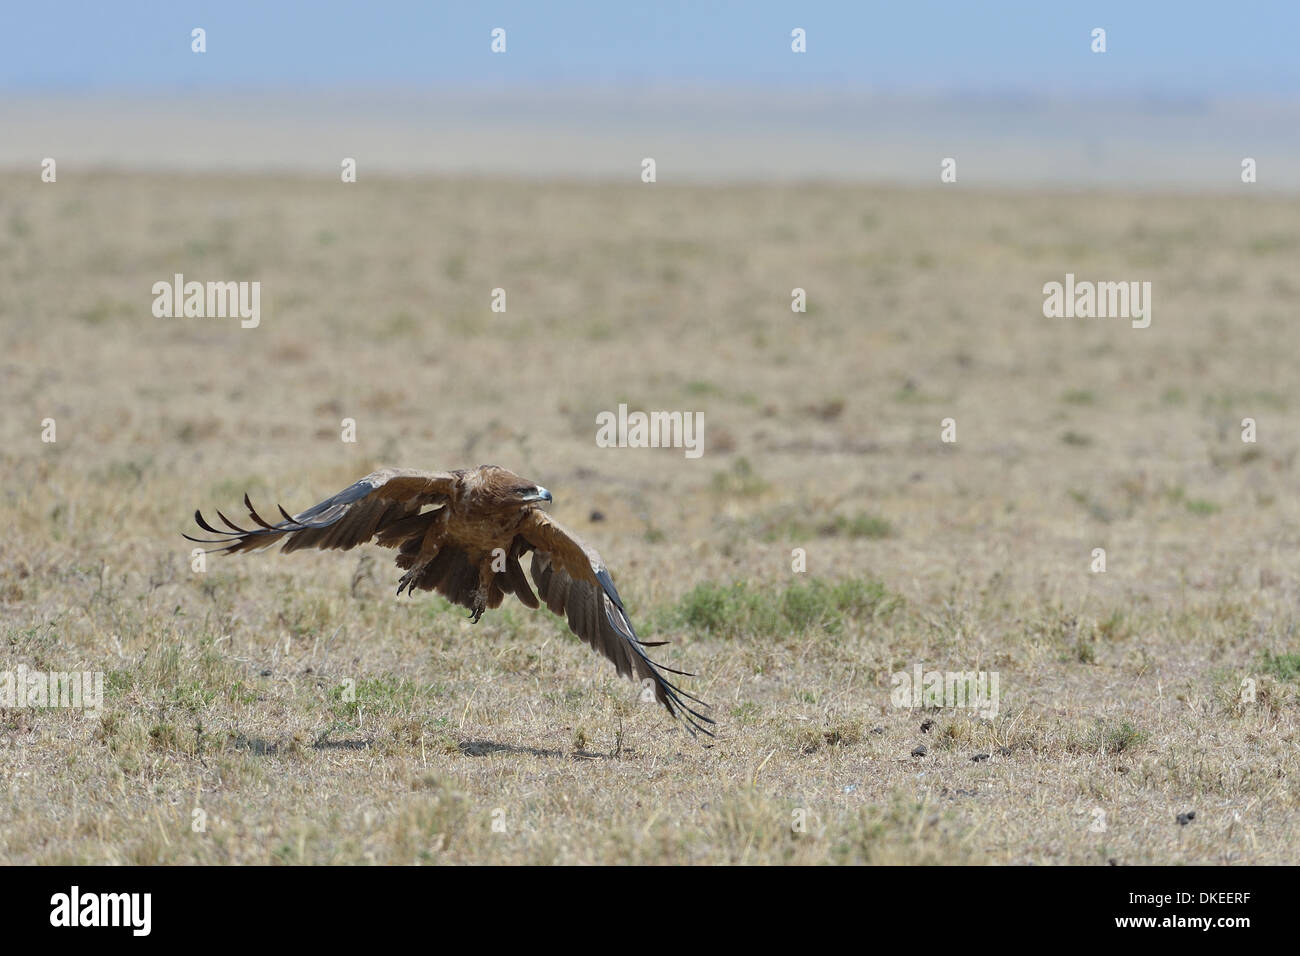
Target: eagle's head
503,490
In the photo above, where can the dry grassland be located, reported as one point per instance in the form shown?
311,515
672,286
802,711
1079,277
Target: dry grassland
1122,699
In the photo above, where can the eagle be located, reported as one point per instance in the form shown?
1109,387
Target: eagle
467,546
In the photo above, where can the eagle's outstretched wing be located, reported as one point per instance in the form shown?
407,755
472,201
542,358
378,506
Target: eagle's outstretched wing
574,582
570,577
378,504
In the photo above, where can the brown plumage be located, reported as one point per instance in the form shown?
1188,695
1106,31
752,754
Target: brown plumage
467,547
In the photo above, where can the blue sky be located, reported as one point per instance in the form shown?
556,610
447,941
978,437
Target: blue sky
1156,49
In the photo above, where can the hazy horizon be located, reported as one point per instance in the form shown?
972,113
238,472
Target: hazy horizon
709,136
714,93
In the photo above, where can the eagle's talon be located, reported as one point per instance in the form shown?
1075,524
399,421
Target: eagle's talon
407,581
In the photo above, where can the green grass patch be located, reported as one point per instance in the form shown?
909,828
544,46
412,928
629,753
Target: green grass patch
741,481
1282,666
741,608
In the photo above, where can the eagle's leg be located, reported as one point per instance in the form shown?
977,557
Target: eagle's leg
480,596
408,581
430,545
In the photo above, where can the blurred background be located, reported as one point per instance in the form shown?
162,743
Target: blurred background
1012,89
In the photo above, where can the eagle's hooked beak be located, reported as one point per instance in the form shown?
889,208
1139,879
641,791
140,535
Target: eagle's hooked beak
538,494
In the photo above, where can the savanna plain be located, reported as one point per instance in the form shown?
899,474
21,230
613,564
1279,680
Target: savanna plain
290,709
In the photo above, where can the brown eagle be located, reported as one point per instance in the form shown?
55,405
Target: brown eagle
467,547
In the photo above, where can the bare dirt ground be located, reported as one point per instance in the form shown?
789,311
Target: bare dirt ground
229,734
